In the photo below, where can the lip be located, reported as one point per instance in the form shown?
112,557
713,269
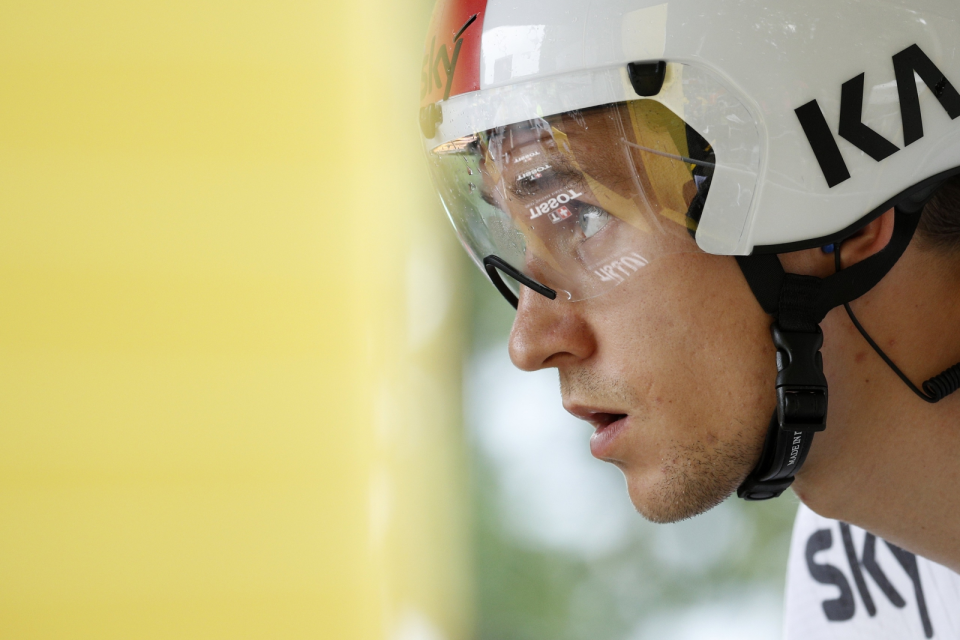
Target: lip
608,424
603,440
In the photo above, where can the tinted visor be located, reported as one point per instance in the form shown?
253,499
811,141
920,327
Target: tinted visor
582,201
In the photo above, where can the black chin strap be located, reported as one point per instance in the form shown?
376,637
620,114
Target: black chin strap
798,305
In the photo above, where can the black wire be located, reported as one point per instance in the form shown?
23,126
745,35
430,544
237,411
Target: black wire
935,389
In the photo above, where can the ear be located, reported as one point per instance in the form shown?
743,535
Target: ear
868,241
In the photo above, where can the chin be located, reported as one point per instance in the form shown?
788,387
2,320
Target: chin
694,481
666,503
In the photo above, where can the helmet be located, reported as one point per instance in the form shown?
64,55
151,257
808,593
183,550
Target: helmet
573,142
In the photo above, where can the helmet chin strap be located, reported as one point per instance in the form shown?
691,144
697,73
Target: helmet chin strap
798,304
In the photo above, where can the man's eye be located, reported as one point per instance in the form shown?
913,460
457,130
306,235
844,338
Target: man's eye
592,219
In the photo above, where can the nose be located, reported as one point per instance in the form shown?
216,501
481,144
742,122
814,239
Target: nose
548,333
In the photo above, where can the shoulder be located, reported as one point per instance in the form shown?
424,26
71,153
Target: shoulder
843,582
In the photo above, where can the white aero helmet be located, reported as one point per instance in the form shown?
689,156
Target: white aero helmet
574,142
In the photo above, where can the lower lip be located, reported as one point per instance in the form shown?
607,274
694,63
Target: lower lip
603,439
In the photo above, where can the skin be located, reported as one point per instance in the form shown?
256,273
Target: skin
684,352
888,460
646,352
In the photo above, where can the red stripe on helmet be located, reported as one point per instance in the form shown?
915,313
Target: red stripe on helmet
451,59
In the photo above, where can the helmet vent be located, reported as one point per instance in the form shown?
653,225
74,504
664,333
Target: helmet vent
647,77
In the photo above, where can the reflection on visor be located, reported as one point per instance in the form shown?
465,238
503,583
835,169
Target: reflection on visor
582,201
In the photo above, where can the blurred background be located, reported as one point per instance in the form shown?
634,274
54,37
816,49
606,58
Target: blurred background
251,388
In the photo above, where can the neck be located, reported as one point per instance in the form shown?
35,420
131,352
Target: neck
890,462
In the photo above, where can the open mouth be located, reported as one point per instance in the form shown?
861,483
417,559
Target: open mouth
607,427
603,420
598,419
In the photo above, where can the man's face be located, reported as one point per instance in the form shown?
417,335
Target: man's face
674,367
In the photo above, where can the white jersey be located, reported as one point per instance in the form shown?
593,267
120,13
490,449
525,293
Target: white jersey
843,582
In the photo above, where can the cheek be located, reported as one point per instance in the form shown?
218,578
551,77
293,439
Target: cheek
695,346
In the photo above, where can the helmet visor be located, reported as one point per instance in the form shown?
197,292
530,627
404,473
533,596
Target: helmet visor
581,201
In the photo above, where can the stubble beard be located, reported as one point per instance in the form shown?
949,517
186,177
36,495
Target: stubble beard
693,478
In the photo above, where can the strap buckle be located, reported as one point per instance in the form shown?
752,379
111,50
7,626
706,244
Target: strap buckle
783,453
755,490
801,385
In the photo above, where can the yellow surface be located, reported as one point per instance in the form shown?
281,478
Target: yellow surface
228,363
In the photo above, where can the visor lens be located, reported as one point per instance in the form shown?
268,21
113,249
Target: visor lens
581,201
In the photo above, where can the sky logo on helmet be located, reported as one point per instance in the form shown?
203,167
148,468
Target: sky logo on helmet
451,61
852,129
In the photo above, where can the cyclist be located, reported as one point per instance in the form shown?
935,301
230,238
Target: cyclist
710,213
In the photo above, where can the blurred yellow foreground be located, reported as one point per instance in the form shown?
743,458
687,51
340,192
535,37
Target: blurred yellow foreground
229,398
